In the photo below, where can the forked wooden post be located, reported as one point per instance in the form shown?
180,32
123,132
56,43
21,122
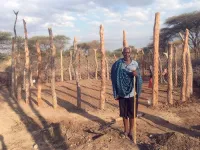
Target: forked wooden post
170,81
27,65
189,86
53,54
156,58
103,71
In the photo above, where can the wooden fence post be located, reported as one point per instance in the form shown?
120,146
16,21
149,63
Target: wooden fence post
170,81
75,65
27,65
53,54
39,75
13,69
103,72
189,75
125,43
184,69
155,58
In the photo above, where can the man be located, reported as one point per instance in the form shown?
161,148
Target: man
122,76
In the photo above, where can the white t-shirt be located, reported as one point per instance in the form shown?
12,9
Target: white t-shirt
130,67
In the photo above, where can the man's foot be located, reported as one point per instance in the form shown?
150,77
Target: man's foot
124,135
130,135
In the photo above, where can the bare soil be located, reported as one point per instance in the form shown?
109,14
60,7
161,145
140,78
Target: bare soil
27,127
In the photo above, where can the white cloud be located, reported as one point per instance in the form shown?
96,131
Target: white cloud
83,17
31,20
12,4
60,24
63,17
140,14
96,23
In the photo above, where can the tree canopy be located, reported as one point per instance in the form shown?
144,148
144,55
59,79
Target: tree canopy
179,23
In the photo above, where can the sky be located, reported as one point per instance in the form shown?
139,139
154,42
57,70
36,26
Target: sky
82,18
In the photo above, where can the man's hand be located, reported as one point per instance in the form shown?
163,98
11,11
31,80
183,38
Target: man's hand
117,98
134,72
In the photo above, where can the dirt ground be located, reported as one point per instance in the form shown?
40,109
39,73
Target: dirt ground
29,127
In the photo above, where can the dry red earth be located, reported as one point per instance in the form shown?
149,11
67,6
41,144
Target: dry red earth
27,127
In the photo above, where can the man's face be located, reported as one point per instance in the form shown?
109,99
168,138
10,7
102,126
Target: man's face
126,53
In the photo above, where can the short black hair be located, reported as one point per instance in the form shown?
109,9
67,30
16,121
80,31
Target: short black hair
126,48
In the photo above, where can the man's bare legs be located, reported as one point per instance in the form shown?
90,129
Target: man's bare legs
128,127
131,124
125,121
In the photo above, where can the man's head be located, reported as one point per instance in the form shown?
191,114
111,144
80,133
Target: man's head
126,53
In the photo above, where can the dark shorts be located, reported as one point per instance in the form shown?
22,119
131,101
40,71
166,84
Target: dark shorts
126,107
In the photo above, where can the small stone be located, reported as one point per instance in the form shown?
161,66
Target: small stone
35,146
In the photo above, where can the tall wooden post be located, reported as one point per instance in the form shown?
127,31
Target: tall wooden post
125,43
175,67
13,69
103,72
39,75
96,69
16,51
189,75
61,65
170,81
53,53
184,69
155,58
70,64
75,65
27,65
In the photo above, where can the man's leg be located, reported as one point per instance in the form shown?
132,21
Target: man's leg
125,121
131,122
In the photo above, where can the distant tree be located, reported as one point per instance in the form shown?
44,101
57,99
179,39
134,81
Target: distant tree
5,35
177,24
88,47
5,42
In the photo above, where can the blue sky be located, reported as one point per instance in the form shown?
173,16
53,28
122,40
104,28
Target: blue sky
82,18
